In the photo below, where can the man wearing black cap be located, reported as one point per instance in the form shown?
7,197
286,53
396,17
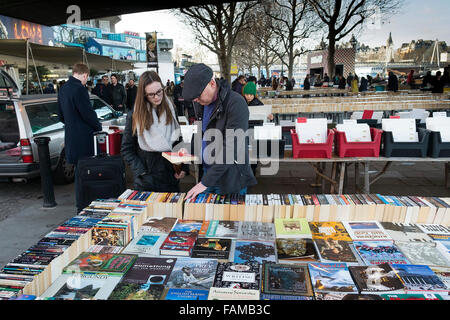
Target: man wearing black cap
226,169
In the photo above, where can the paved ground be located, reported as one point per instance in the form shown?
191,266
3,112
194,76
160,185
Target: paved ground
23,221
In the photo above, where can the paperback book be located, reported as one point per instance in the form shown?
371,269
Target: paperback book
377,279
419,279
134,291
222,229
379,252
332,250
259,231
405,232
254,252
292,228
146,244
331,277
238,275
93,286
109,263
185,294
366,230
188,226
158,225
213,248
346,296
233,294
413,297
178,244
193,274
329,230
296,251
423,253
286,280
150,270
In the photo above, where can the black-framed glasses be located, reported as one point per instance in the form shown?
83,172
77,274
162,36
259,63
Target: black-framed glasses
157,93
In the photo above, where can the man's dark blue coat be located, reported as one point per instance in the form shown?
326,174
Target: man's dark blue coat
75,111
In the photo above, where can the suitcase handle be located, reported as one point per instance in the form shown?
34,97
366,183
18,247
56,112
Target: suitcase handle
100,137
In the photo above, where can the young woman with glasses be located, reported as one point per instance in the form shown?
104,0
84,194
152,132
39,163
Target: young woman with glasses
152,128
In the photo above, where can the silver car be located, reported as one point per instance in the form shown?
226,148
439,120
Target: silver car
22,119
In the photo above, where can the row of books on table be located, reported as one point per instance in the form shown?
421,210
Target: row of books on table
100,254
266,207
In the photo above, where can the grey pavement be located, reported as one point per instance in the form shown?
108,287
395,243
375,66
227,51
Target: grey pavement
23,221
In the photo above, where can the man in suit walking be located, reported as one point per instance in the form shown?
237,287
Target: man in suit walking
80,120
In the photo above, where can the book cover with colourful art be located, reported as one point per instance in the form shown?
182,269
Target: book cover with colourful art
378,252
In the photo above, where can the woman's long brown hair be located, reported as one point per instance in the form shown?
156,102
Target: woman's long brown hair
141,115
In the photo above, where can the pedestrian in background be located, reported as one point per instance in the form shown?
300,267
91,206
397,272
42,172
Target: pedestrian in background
117,94
79,118
152,128
101,89
392,82
131,94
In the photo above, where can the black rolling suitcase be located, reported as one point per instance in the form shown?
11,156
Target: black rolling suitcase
101,176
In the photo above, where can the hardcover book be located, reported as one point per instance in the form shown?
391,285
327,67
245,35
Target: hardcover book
114,264
158,225
331,277
93,286
329,230
259,231
179,157
423,253
193,274
380,278
146,244
185,294
238,276
379,252
178,243
366,231
286,280
296,251
443,274
405,232
134,291
150,270
233,294
420,279
212,248
254,251
292,228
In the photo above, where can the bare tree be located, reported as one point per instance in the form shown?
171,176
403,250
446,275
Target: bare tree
292,22
341,17
216,27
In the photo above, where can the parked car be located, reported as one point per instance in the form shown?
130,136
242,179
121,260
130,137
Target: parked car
24,118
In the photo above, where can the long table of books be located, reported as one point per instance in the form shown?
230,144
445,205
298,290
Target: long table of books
160,246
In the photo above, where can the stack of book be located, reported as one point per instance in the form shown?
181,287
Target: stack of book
158,204
319,207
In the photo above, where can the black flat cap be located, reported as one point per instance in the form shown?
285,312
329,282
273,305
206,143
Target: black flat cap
196,80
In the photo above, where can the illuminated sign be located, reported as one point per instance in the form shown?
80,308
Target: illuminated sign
11,28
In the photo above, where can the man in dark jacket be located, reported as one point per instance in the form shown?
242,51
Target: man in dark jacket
226,167
392,82
306,83
80,120
101,89
131,94
118,96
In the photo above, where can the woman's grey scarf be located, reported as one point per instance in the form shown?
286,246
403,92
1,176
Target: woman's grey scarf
160,136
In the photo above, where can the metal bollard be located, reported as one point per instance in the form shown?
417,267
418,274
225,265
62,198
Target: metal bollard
46,172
